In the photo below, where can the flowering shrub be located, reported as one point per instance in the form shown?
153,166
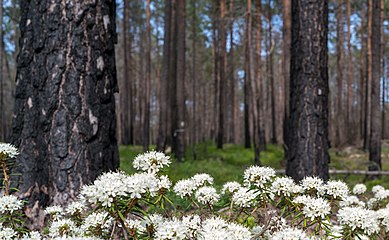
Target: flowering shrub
147,205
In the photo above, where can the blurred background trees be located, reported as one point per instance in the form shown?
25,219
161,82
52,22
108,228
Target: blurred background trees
190,71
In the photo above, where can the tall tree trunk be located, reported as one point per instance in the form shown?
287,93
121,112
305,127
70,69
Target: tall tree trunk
146,126
339,73
375,128
366,139
3,125
64,118
362,72
308,153
179,123
349,125
286,38
222,66
246,98
383,96
194,41
271,77
231,67
163,105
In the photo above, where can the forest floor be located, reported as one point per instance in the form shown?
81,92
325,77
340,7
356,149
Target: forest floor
229,163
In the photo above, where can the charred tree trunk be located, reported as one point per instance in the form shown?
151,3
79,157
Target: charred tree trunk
375,127
366,139
64,117
179,106
308,153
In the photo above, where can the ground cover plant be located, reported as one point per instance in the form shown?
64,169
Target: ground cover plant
148,205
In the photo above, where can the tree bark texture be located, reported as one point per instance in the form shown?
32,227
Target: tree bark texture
308,142
339,74
375,127
286,41
64,117
222,75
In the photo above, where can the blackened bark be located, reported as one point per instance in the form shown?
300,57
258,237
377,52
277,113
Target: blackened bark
179,125
286,38
375,127
64,117
308,153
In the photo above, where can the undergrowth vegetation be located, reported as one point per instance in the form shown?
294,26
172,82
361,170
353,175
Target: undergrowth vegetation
218,196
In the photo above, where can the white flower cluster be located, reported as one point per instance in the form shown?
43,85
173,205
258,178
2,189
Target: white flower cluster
230,187
8,150
358,218
151,162
186,187
290,234
100,221
217,228
7,233
335,189
314,207
10,203
359,189
245,197
285,186
312,184
258,176
207,195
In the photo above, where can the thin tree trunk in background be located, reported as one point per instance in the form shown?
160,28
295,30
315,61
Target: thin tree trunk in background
366,139
286,38
222,67
194,120
216,66
163,105
308,152
246,97
383,118
146,126
179,128
271,77
254,81
349,125
375,129
231,68
362,72
339,74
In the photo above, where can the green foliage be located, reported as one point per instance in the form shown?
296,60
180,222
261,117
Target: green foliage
224,165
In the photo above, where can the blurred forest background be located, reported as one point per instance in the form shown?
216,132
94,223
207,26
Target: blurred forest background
214,51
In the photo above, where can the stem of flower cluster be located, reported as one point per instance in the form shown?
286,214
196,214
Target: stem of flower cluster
6,177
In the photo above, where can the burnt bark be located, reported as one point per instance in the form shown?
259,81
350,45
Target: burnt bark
308,152
286,41
64,116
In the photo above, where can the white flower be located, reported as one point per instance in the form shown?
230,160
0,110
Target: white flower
155,219
10,203
359,189
192,224
315,207
164,182
383,215
230,187
97,221
185,188
381,194
207,195
377,188
136,225
372,202
55,211
214,228
7,233
8,150
258,176
290,234
151,162
238,232
245,197
285,186
301,199
312,184
359,218
350,201
172,229
75,207
336,189
201,179
141,183
33,235
63,228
